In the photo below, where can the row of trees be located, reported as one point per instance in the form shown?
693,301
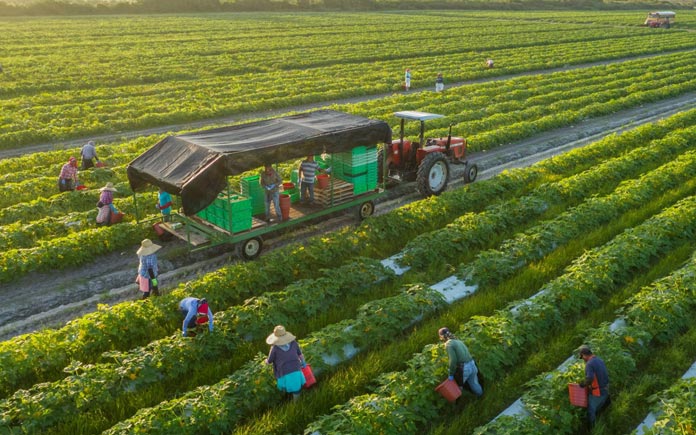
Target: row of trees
68,7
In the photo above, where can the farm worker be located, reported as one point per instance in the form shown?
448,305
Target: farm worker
596,380
271,182
407,79
439,83
67,180
89,154
164,204
288,361
106,204
307,174
489,63
462,367
196,313
147,268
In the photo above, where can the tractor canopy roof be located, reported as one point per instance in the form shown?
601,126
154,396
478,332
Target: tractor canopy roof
195,166
417,116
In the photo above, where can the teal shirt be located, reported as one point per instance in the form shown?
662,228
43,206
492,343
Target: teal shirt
458,354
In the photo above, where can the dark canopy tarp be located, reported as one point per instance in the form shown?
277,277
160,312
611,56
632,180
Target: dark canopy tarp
195,166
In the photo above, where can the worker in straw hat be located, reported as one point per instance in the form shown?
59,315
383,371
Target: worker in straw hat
106,206
147,269
288,361
67,180
462,367
596,380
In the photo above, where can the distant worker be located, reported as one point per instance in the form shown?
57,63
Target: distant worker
462,367
307,174
196,313
107,209
89,155
596,380
407,79
164,204
147,268
271,182
439,83
489,63
67,180
288,361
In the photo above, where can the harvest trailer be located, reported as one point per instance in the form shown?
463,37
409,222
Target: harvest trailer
197,166
663,19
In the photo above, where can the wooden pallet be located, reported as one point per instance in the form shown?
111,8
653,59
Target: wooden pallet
195,238
342,192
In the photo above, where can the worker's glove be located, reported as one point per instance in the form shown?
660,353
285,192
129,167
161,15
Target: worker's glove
183,334
451,378
154,282
304,364
62,181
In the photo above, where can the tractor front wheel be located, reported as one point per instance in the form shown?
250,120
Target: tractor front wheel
433,174
470,173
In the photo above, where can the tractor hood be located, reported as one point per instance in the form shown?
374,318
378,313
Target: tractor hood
195,166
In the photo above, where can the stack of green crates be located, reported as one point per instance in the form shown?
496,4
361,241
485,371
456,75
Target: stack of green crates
232,213
251,187
358,167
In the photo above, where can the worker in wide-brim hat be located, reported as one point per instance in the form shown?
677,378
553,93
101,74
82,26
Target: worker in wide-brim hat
147,269
288,361
107,209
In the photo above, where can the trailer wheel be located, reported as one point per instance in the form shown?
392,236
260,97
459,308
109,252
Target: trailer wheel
366,209
250,249
433,174
470,173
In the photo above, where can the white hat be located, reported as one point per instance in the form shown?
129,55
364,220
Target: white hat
109,186
147,247
279,336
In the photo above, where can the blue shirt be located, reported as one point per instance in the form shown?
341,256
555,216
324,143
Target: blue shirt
190,307
596,367
164,198
147,262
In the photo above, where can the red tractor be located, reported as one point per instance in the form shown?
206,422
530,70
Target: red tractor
428,161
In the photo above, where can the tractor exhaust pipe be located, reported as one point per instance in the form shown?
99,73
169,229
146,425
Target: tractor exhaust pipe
449,138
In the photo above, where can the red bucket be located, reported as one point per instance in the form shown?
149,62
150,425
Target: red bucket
285,206
322,181
158,229
578,395
449,390
288,186
309,376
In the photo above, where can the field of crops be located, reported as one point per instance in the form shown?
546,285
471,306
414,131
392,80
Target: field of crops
593,246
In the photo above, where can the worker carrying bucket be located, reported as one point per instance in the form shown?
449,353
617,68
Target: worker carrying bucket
462,367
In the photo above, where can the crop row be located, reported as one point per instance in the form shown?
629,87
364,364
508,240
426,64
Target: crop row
450,240
407,398
653,316
58,116
513,123
42,355
198,403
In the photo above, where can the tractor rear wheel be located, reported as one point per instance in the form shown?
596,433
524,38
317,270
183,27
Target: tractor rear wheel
470,173
433,174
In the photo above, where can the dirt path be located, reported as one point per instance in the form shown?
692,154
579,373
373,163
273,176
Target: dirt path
51,299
